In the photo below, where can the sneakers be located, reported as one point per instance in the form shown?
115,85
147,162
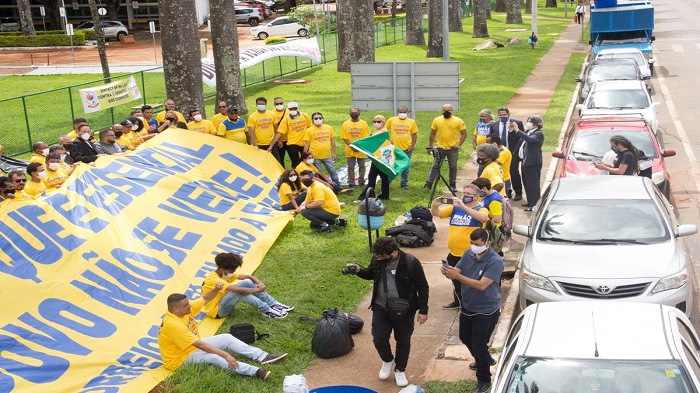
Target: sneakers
341,222
386,370
472,365
483,387
270,358
427,186
405,187
274,313
451,306
400,377
282,308
323,228
262,374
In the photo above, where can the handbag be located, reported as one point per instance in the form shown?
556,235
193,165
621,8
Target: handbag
398,308
246,332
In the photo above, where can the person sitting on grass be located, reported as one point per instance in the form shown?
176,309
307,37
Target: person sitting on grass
250,289
291,192
308,163
321,205
179,340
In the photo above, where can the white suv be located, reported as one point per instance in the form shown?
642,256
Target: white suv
112,28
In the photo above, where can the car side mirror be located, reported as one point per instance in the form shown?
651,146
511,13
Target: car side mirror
558,154
682,230
653,38
590,42
524,230
580,106
650,61
655,104
668,153
578,80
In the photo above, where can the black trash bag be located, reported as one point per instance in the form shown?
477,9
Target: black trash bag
355,323
376,207
8,163
332,335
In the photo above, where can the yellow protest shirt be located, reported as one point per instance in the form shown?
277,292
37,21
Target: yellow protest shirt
217,119
124,141
461,226
304,166
72,135
54,179
233,131
352,131
160,117
176,336
34,189
401,131
447,131
319,138
504,158
263,125
134,137
285,190
204,126
279,115
319,191
37,158
210,281
295,129
492,172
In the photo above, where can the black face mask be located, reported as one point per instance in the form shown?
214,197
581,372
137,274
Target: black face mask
482,161
447,114
307,182
355,115
170,119
615,149
118,134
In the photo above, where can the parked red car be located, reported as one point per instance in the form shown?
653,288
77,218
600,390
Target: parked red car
264,11
588,141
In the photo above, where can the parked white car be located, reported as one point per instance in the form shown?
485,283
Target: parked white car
646,66
280,27
620,98
112,28
594,346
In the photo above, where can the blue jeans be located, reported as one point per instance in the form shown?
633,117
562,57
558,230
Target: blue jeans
404,174
260,300
228,342
330,168
299,199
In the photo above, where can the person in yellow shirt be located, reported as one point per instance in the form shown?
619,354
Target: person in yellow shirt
77,122
199,124
233,127
55,174
404,134
308,163
466,214
491,200
40,151
447,134
319,140
169,107
280,112
7,189
487,156
35,186
129,133
321,206
293,126
505,158
139,127
261,127
352,130
221,114
483,128
249,290
179,340
379,125
19,180
122,139
291,192
171,121
150,123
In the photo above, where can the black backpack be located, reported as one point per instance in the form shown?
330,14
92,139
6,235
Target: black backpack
414,233
246,332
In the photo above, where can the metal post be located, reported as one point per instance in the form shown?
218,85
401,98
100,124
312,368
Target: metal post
534,17
316,17
446,32
26,121
70,100
143,88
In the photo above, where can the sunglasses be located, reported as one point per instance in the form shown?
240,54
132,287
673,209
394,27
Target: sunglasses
378,122
223,106
20,181
318,118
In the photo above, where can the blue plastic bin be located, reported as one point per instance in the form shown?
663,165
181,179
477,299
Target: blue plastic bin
375,222
342,389
605,3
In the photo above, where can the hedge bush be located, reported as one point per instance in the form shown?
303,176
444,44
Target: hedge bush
274,40
56,39
38,32
387,17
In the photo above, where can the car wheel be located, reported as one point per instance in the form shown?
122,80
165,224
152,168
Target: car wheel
253,22
302,32
263,35
120,35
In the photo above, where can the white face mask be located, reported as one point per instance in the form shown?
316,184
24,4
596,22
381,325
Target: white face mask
228,275
63,157
292,178
262,107
41,175
403,116
318,122
134,127
293,113
85,136
310,161
45,152
479,249
279,107
54,166
197,117
528,126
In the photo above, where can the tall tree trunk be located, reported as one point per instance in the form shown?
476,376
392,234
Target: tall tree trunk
393,13
435,29
528,7
99,32
414,23
182,63
513,16
53,18
454,15
487,5
481,10
25,17
551,4
501,6
112,7
224,35
355,33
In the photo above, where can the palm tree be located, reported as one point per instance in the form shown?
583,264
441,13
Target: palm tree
224,35
414,23
513,15
25,17
355,33
435,29
454,15
481,14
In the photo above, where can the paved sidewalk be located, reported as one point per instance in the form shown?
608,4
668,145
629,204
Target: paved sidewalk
436,352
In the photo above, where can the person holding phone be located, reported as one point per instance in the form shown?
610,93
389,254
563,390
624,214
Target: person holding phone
466,214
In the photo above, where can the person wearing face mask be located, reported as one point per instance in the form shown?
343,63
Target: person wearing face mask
121,139
107,144
169,106
64,141
482,128
627,160
199,124
404,134
291,191
35,186
134,138
319,140
379,124
466,215
308,163
487,157
7,189
293,126
81,149
171,120
249,290
351,131
262,128
280,112
447,133
395,274
530,154
511,141
479,272
233,127
64,157
55,174
40,151
139,128
321,206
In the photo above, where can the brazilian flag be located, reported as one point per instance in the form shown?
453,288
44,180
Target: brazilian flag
386,157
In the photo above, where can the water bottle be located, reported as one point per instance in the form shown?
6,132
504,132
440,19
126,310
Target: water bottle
412,389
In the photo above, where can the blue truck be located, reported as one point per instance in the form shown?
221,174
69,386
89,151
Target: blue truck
630,24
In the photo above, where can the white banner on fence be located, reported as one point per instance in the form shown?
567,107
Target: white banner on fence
112,94
302,48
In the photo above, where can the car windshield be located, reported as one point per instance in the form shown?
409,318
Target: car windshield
618,99
612,72
542,375
636,56
592,146
603,221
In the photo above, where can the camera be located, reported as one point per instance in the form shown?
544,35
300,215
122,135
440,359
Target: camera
433,150
349,269
446,201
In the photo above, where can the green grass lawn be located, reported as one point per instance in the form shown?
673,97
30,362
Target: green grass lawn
303,268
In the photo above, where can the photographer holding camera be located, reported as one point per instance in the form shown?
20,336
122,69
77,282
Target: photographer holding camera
400,289
447,134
